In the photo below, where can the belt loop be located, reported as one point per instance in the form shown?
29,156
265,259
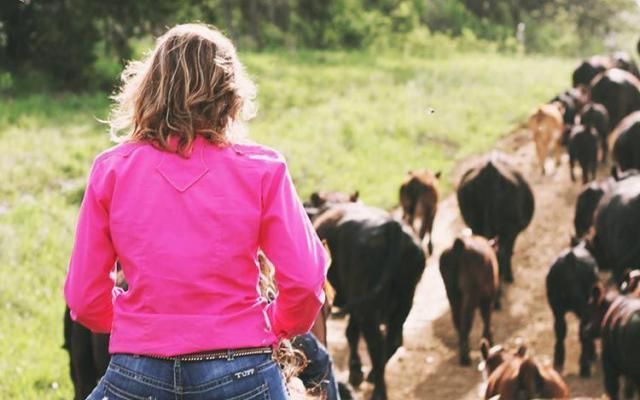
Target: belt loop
230,355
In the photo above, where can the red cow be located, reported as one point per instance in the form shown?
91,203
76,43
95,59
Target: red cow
419,199
469,270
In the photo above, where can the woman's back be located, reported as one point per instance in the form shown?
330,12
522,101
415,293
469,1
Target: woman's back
184,210
186,232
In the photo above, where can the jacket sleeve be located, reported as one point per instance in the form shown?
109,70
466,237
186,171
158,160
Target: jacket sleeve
289,241
88,285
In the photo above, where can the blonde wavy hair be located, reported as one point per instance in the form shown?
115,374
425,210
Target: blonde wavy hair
192,83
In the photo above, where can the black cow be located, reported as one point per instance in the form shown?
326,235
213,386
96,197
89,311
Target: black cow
569,283
626,150
376,264
616,319
88,352
618,91
496,201
571,101
88,356
589,69
586,205
583,148
320,201
615,243
595,115
623,60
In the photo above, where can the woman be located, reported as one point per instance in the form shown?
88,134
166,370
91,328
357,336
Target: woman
184,209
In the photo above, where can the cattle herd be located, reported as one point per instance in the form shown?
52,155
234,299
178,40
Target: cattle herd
378,260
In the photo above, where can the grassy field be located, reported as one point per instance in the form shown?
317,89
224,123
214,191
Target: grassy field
345,121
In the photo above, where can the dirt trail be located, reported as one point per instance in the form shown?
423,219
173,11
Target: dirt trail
426,367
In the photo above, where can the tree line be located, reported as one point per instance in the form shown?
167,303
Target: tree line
64,38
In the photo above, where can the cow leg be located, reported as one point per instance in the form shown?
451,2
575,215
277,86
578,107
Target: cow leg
497,302
100,350
81,354
629,388
611,375
454,302
585,172
411,219
485,310
409,213
428,228
424,227
605,148
355,365
572,163
393,339
466,321
541,151
560,329
68,344
558,152
587,354
375,346
504,258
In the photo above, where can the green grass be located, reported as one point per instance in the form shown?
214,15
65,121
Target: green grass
345,121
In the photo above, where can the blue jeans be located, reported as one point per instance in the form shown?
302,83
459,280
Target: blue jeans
318,374
131,377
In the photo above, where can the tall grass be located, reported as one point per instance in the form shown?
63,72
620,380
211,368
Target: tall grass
344,121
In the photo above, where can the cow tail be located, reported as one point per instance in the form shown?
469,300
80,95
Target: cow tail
390,267
68,326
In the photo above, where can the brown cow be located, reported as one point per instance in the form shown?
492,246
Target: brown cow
419,198
469,270
319,328
546,125
492,357
520,376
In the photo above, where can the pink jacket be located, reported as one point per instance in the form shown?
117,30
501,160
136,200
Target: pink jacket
186,232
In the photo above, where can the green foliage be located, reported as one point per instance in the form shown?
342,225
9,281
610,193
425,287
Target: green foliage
60,37
81,43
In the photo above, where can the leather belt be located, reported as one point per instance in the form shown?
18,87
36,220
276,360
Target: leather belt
215,355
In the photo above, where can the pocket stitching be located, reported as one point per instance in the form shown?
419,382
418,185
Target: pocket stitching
123,393
142,379
253,393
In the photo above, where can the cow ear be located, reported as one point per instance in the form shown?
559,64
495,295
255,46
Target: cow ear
354,196
438,174
615,173
315,199
458,245
574,241
484,349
